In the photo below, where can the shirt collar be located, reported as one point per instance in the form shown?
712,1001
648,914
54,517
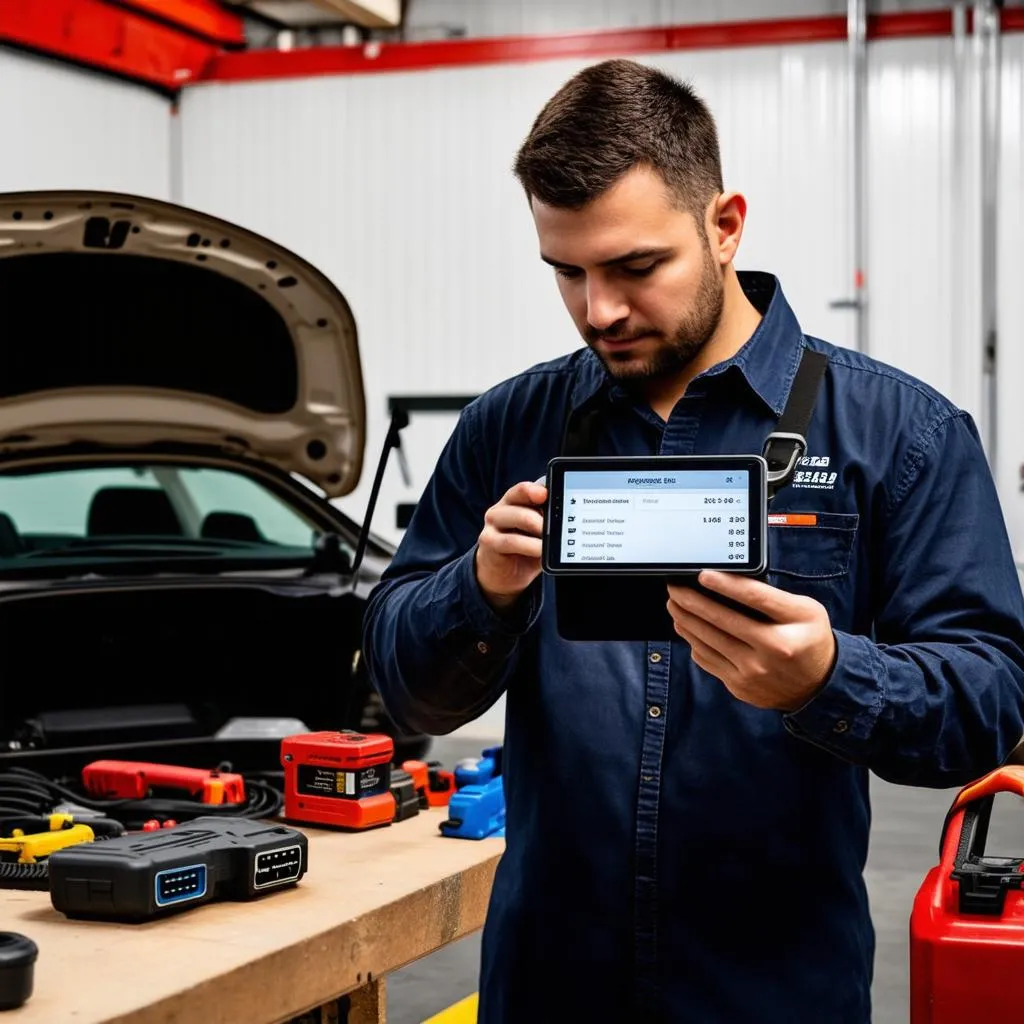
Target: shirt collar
768,360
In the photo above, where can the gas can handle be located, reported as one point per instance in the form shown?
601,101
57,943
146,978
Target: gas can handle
1008,779
972,808
982,886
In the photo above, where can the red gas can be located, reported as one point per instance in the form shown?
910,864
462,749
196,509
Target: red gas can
967,925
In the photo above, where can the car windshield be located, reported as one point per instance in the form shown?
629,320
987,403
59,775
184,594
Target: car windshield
148,513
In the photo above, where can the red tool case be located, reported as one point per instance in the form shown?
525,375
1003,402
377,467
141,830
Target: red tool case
967,924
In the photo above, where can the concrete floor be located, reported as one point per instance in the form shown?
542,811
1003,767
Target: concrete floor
904,846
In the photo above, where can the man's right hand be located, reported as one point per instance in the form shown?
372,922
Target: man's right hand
508,555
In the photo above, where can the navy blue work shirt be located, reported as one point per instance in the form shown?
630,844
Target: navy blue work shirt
673,854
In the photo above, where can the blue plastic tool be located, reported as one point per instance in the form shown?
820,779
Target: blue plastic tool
475,771
476,811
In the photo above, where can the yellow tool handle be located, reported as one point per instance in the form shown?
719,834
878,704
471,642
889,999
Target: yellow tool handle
41,844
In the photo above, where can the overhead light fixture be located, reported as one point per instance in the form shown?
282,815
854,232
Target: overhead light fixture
305,13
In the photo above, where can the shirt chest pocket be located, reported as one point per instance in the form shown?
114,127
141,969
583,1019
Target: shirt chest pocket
810,551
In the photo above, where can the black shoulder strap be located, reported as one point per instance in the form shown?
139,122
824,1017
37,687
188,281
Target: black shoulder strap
788,441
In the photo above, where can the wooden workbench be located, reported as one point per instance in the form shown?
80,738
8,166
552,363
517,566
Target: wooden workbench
369,903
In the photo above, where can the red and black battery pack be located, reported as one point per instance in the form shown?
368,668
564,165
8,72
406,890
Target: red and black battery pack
967,923
342,779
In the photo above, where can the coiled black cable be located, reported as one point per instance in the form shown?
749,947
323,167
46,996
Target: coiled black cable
34,876
23,791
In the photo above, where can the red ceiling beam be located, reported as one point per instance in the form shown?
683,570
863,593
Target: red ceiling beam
378,57
205,19
166,53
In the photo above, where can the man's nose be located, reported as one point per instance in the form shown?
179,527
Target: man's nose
605,305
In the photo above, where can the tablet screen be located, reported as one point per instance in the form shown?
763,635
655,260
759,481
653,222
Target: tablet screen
675,517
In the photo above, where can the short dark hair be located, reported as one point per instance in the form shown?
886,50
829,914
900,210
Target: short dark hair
612,117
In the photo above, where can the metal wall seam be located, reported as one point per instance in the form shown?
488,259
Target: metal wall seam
987,46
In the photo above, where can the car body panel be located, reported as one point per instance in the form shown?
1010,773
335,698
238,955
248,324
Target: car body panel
129,321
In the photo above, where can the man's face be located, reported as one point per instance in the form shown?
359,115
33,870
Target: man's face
637,275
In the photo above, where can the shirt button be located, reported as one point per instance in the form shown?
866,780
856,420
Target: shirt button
654,711
482,647
841,726
655,658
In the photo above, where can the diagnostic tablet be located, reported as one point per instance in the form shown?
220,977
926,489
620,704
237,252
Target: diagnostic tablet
666,515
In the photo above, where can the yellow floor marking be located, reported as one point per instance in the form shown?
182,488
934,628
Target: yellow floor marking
463,1012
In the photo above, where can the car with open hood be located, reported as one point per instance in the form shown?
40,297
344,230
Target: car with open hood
181,401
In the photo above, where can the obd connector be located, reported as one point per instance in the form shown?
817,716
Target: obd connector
139,877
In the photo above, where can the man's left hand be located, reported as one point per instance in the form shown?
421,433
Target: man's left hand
779,664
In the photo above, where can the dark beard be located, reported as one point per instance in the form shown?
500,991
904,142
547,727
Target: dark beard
692,334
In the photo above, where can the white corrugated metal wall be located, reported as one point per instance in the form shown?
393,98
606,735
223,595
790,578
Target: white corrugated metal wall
398,186
63,127
516,17
920,245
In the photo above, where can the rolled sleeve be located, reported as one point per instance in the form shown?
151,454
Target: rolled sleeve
481,639
498,627
842,715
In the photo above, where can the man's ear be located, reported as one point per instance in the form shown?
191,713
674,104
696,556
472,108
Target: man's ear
726,216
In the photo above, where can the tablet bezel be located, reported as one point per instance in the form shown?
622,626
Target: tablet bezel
757,527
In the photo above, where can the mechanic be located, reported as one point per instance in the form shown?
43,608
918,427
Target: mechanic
688,818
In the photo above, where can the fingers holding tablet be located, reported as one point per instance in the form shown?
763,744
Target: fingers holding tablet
509,549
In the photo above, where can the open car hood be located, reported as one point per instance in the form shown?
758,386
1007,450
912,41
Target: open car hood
128,321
